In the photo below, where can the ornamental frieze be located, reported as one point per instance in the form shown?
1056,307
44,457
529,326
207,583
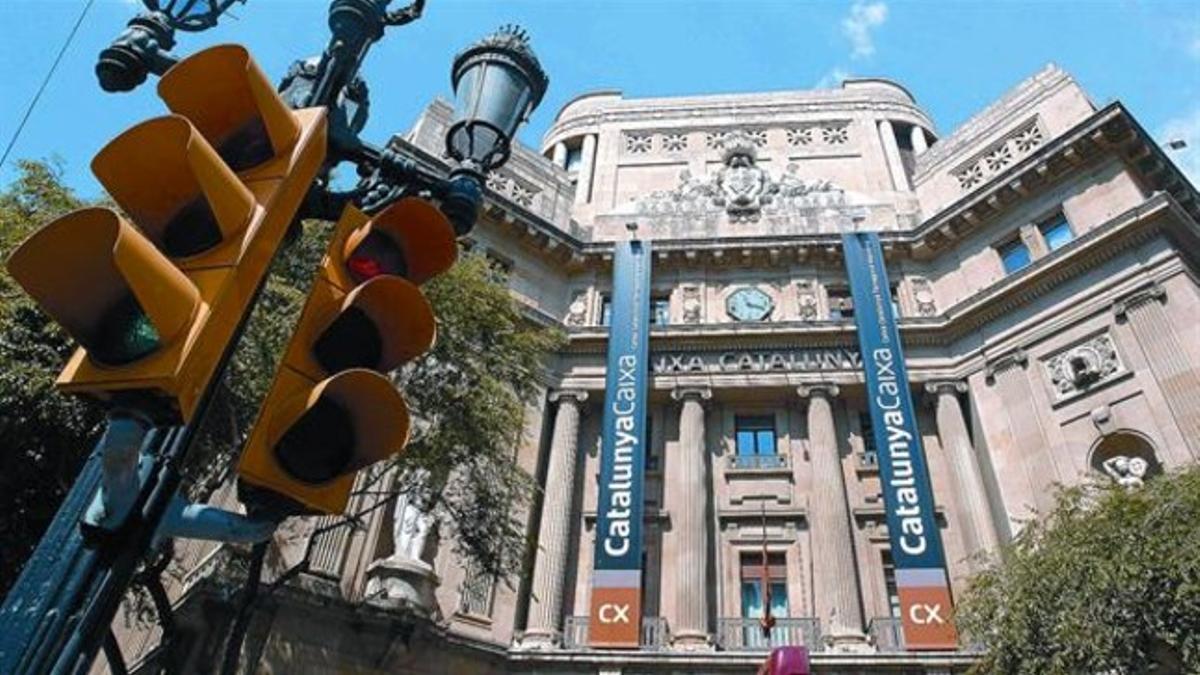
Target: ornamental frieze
1083,366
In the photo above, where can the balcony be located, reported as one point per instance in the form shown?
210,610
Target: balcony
758,462
654,633
887,635
742,634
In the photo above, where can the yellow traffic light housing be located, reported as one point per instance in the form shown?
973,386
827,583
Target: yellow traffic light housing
331,410
210,191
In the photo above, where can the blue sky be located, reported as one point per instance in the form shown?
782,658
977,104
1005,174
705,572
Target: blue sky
956,57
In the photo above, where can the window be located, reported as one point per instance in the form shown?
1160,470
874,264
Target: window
889,583
660,311
574,159
1056,231
605,310
870,454
1014,255
475,596
841,305
894,291
754,436
754,598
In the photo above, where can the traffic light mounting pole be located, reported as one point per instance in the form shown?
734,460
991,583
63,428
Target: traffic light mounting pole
58,614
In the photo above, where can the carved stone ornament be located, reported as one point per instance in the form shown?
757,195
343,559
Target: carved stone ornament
741,188
806,299
1083,366
691,304
923,296
577,311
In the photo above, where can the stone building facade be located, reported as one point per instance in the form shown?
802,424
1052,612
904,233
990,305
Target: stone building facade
1043,261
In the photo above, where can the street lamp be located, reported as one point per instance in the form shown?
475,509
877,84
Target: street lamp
497,83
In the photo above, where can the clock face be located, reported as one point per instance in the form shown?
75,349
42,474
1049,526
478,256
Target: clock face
749,304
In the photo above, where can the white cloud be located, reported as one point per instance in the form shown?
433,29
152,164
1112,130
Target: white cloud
833,78
863,18
1185,128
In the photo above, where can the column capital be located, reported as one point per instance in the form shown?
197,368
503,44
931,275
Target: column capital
576,395
953,387
826,390
698,393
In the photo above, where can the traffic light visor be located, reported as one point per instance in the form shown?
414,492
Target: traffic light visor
233,104
344,423
106,284
423,236
168,178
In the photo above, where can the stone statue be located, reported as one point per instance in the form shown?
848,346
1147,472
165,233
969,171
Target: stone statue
1128,472
411,526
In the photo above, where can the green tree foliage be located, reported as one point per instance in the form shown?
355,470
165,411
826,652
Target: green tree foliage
1108,582
467,396
44,436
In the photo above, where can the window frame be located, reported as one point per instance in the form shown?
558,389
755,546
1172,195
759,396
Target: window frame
1013,244
766,423
1054,221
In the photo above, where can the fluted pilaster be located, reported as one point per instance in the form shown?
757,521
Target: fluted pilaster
687,501
550,565
835,591
978,528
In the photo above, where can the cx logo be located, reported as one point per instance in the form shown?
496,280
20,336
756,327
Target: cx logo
612,613
925,614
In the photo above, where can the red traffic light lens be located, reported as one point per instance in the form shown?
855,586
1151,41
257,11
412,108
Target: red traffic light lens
377,254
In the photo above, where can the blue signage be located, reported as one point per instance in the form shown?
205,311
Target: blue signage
916,544
616,576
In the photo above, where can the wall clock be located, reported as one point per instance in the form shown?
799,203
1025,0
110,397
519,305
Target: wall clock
749,304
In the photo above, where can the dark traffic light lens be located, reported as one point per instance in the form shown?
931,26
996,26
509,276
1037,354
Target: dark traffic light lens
247,147
319,446
193,230
124,334
377,254
352,341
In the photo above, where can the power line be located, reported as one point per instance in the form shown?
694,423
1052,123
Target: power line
49,74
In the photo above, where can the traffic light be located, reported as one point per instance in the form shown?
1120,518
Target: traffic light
331,410
155,298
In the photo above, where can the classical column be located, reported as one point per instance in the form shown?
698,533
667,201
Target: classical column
1178,380
919,144
891,150
560,155
687,502
587,163
550,566
835,582
979,530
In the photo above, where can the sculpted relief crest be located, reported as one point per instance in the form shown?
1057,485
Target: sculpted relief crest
741,188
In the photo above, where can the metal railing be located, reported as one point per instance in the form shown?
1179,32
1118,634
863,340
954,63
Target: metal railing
779,461
743,634
886,634
654,633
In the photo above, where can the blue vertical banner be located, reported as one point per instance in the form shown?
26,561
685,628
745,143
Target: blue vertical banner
616,611
921,579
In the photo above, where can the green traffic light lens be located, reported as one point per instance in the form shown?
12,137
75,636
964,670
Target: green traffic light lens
319,446
124,335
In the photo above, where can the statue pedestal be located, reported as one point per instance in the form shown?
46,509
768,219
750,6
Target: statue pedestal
402,583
